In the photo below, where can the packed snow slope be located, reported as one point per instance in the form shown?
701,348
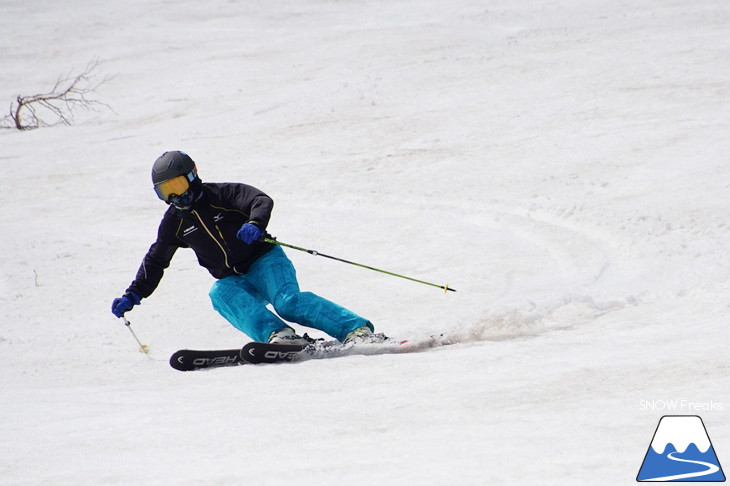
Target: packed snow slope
562,164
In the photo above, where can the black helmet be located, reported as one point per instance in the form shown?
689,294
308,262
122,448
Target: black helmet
175,179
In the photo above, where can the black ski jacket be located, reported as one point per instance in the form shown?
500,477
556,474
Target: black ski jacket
209,227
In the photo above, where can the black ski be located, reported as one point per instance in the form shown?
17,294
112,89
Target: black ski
191,359
257,353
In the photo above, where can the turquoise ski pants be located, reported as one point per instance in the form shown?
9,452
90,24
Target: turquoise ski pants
243,300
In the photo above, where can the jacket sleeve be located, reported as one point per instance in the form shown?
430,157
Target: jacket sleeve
251,201
155,262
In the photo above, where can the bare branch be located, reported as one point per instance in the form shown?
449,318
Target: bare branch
68,93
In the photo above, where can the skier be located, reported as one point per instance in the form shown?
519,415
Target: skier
224,223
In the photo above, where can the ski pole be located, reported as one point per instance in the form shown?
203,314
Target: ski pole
142,347
316,253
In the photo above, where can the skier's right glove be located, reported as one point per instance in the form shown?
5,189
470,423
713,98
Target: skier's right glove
125,303
249,233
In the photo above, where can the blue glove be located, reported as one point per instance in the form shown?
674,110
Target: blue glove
249,233
125,303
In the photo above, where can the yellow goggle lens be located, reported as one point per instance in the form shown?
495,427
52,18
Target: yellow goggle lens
175,186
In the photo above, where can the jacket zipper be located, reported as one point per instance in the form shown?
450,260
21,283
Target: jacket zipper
225,253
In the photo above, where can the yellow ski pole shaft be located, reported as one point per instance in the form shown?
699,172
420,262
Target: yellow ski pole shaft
142,347
273,241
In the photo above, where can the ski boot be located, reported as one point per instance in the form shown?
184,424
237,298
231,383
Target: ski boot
287,336
364,335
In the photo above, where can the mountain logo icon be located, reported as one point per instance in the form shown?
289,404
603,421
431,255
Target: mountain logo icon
681,451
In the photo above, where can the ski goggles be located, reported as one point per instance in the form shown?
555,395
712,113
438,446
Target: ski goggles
174,187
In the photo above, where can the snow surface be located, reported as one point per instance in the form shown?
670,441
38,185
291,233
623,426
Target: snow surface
562,164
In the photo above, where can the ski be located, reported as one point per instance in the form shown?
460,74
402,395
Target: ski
191,359
258,353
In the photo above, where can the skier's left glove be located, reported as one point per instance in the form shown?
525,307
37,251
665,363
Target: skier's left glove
249,233
125,303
